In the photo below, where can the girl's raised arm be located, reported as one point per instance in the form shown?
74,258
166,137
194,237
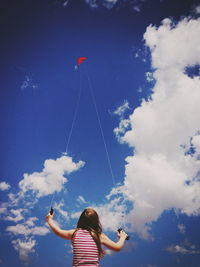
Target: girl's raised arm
65,234
115,246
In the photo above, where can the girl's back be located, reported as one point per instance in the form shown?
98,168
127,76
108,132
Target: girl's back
85,250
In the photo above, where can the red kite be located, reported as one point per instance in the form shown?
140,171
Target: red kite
80,60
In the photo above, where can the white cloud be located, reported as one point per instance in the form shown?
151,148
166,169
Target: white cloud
123,126
65,3
24,247
15,215
111,215
198,9
63,212
196,143
121,109
108,252
51,178
184,248
81,200
136,8
109,3
25,229
181,228
124,123
136,55
3,210
149,76
4,186
92,3
161,175
28,83
174,46
75,215
30,221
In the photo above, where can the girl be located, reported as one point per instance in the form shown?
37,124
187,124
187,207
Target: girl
87,238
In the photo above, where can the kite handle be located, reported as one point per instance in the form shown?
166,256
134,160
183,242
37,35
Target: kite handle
51,211
119,230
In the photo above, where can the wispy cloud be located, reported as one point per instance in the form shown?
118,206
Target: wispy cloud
24,247
28,83
149,76
181,228
27,228
136,5
121,109
62,212
15,215
197,9
109,4
65,3
184,248
27,232
92,3
81,200
124,123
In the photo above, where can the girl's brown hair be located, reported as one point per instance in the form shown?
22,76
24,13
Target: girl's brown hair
89,220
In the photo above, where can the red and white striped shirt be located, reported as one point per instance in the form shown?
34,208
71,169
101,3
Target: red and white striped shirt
85,251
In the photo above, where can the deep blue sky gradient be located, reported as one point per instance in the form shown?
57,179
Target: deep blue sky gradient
42,40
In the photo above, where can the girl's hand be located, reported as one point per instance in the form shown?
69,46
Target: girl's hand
122,234
49,216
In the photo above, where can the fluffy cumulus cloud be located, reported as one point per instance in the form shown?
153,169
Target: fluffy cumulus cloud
4,186
163,172
51,178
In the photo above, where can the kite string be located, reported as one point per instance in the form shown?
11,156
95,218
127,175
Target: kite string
102,134
75,112
73,122
100,126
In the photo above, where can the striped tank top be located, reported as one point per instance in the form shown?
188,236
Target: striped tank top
85,251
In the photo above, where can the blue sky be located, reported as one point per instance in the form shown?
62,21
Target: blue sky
143,61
